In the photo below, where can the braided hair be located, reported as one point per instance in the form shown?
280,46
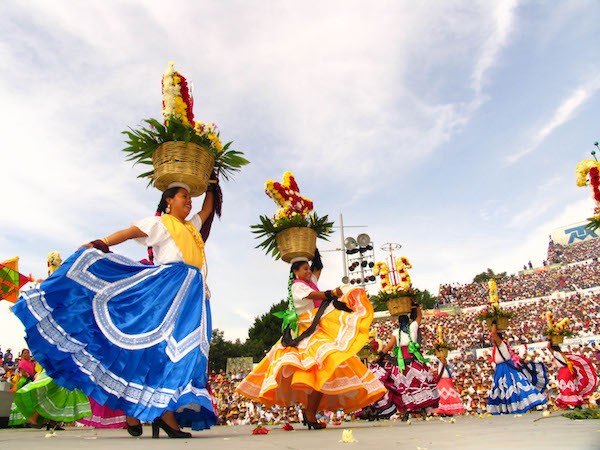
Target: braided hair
161,209
295,266
403,321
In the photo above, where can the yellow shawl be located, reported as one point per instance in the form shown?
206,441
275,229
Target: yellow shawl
187,238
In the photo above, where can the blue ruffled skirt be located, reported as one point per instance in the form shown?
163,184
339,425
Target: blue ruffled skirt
512,392
133,337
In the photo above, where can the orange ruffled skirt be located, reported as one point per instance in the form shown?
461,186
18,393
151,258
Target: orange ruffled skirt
326,362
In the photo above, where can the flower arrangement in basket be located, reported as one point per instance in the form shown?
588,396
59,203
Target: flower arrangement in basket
591,168
181,149
440,348
493,313
400,297
372,348
293,231
557,331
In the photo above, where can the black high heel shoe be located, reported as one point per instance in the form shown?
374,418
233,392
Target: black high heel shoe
171,432
315,425
134,430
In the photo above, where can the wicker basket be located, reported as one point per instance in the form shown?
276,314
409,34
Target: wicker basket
501,323
441,353
295,242
399,305
557,339
185,162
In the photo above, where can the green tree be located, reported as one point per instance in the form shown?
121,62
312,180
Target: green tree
265,331
425,299
217,359
221,349
488,275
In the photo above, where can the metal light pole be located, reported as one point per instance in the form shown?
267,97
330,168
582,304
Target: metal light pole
344,265
355,253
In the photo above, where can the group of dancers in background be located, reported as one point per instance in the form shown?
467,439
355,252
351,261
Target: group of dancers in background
124,342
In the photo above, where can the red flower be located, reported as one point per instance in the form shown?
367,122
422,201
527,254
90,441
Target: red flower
595,182
260,430
287,427
187,98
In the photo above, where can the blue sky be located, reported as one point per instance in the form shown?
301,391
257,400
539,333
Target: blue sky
452,128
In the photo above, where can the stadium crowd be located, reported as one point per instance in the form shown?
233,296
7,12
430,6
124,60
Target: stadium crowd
565,254
572,275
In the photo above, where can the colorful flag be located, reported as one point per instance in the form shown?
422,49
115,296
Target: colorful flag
11,280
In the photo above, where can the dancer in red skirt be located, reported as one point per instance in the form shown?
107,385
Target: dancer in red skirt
577,378
411,386
450,402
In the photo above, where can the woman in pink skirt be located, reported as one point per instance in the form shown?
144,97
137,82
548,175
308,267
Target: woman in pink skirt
577,378
450,402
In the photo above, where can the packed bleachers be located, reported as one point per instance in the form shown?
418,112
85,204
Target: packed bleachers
541,282
567,254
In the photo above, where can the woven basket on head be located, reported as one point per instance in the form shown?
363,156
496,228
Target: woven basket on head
295,242
185,162
557,339
501,323
399,305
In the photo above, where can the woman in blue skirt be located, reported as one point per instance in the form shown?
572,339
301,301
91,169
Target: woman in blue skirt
133,336
512,391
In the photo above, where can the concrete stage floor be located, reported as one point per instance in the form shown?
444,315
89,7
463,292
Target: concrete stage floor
529,431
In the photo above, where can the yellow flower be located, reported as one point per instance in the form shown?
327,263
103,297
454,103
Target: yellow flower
347,436
583,169
216,142
180,110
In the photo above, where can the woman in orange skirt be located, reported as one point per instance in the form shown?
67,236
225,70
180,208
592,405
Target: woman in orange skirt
318,367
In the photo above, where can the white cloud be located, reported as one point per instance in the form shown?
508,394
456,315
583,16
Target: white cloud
568,109
503,17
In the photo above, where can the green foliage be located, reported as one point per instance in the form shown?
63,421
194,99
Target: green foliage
220,350
582,414
593,223
425,299
494,313
484,277
266,330
554,332
379,301
268,228
262,335
439,346
142,143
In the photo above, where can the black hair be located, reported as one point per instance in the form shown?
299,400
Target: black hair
169,193
413,313
403,321
500,335
160,209
297,265
555,347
